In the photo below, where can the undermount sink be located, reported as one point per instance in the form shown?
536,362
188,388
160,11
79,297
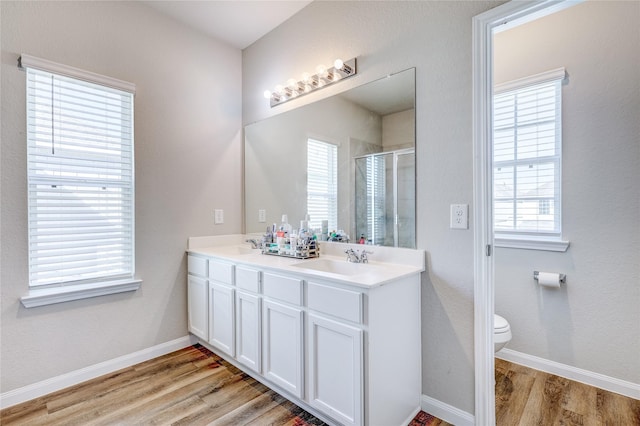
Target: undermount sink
341,267
240,250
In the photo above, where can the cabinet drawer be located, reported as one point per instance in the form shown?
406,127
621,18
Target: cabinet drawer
282,288
197,265
339,302
221,271
248,279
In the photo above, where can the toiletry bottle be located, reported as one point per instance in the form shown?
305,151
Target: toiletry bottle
304,227
362,240
284,226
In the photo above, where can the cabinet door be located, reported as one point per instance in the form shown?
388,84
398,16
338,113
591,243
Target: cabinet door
198,306
248,330
282,346
221,317
335,369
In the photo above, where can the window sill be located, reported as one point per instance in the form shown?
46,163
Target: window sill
532,244
49,296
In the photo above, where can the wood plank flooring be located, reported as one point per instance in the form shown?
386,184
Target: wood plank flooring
530,397
194,386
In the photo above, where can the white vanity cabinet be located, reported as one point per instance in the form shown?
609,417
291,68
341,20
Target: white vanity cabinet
197,296
222,306
347,353
336,352
249,318
282,332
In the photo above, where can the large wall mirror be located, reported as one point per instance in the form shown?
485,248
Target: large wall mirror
348,159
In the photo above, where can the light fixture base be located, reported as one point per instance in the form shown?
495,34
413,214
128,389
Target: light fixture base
315,82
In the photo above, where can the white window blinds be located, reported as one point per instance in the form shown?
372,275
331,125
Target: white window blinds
376,197
527,159
322,184
80,180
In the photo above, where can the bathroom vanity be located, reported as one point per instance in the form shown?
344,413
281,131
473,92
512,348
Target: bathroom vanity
342,340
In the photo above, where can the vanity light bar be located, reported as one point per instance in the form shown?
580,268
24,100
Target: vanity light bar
322,78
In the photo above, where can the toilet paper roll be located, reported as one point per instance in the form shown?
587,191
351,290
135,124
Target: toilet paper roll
549,279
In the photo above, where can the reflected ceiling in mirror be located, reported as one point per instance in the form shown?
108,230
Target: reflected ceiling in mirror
367,191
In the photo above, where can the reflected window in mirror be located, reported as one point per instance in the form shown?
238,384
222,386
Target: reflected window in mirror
322,183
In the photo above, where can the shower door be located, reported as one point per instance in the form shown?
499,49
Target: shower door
385,198
405,177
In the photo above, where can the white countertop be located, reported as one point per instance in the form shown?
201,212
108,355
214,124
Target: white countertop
386,264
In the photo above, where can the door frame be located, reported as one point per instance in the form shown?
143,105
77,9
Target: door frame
483,26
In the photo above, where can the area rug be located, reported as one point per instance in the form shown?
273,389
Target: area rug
423,419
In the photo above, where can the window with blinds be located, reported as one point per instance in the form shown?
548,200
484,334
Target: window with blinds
80,180
322,184
527,159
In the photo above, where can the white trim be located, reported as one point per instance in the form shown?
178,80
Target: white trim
411,416
531,244
28,61
611,384
543,77
483,26
51,295
35,390
446,412
552,7
483,212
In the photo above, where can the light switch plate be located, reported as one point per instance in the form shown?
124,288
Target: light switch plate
262,215
459,216
218,216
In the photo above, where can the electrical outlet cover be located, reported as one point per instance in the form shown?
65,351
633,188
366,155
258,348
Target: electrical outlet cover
218,216
459,216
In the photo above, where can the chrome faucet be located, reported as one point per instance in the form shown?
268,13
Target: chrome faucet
255,244
356,256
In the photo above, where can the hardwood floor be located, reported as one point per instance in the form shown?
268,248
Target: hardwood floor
192,386
530,397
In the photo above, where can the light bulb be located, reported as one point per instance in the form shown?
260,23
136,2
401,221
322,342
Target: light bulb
338,64
321,70
306,77
279,89
267,94
291,83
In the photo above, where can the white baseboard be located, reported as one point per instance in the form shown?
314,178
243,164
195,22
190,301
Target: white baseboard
590,378
411,416
35,390
446,412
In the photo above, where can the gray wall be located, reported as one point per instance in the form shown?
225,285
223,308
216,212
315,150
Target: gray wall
188,149
434,37
593,322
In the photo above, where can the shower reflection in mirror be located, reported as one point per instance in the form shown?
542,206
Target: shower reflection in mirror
384,198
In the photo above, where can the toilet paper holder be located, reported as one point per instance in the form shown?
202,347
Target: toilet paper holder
563,277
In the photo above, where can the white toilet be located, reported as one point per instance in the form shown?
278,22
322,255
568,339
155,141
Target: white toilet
501,332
